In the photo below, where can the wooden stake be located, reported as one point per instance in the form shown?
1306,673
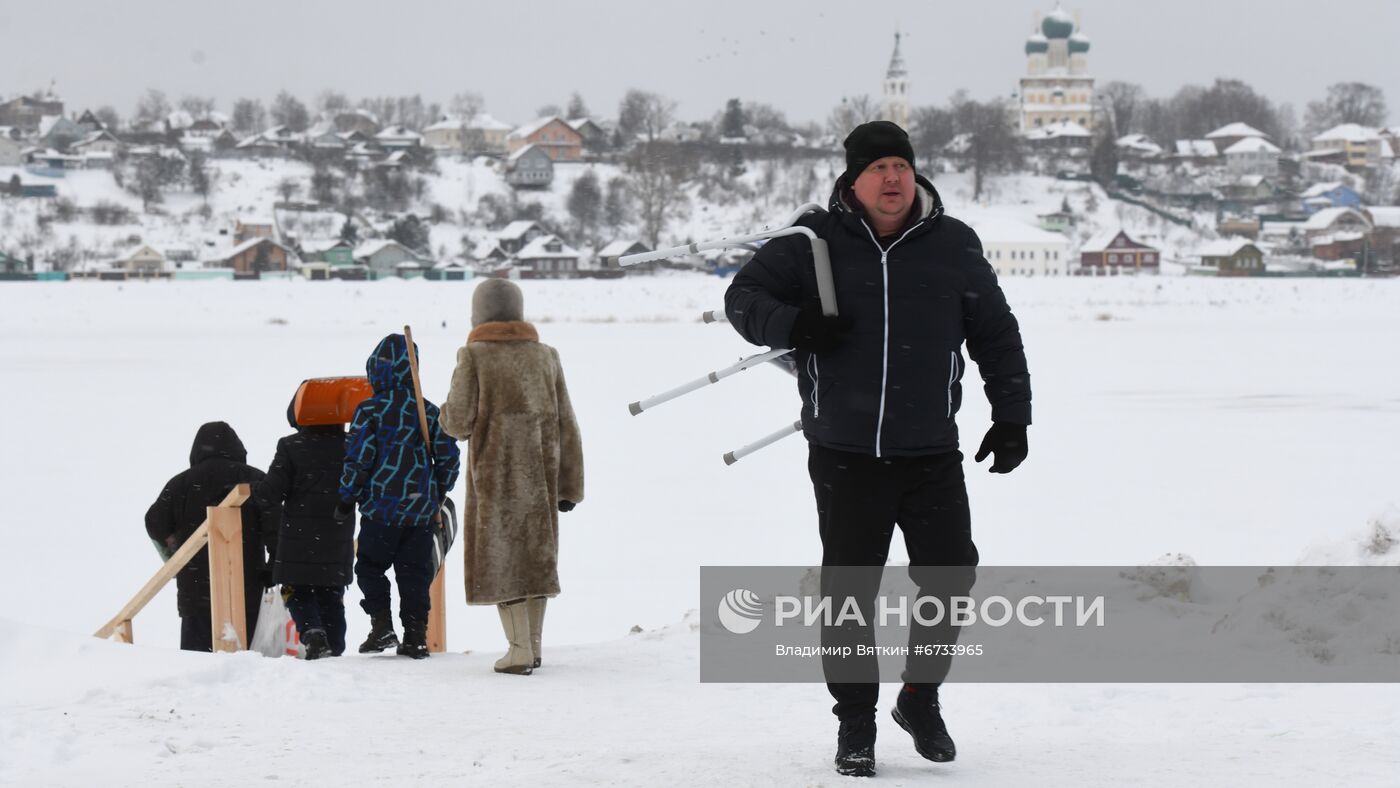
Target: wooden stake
437,613
123,632
228,613
437,610
170,568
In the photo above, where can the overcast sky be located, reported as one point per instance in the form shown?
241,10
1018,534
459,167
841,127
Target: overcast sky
799,56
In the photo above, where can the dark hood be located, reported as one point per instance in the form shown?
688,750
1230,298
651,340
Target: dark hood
292,411
387,366
927,203
217,440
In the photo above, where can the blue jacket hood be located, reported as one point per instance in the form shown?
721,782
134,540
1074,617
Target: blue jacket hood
387,366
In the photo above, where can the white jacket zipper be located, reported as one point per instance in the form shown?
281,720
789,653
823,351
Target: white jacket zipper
952,376
814,372
885,361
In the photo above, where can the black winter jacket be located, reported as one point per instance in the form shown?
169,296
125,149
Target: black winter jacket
302,485
217,464
893,386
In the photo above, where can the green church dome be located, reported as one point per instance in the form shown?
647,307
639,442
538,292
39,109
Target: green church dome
1037,44
1078,44
1057,24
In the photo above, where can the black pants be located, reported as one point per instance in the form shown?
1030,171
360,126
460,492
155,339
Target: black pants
318,607
860,499
408,550
197,629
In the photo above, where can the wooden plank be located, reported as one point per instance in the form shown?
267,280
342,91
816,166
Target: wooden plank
227,608
123,632
437,613
236,497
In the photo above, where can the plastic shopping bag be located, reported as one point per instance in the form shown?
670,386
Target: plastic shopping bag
276,633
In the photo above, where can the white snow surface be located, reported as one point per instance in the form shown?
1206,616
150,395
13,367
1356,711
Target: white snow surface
1235,421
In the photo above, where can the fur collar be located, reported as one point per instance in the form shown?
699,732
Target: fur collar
504,331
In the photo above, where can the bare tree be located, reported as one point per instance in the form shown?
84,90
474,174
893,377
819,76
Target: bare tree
197,106
1347,102
932,128
586,203
617,208
549,111
249,116
152,107
287,189
993,144
576,108
658,175
644,113
201,182
330,102
1120,102
109,117
851,112
287,110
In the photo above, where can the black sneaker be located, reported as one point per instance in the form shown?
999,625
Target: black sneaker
317,645
381,634
855,747
415,643
917,712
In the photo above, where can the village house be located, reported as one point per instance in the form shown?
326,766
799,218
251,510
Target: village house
448,135
1196,151
11,149
1252,156
1361,146
485,134
1018,249
246,227
1331,221
1063,136
1329,195
609,255
555,137
97,142
1138,146
547,257
58,132
514,236
27,112
1114,251
396,138
143,260
253,256
1228,136
1232,257
383,257
530,167
361,120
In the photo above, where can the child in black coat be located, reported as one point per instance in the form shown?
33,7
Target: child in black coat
315,551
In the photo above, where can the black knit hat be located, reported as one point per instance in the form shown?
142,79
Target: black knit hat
872,141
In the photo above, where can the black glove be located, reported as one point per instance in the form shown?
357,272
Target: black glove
1008,443
816,332
344,511
567,506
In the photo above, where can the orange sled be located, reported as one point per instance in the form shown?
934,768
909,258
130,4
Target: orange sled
323,401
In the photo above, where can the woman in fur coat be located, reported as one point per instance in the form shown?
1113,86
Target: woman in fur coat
509,401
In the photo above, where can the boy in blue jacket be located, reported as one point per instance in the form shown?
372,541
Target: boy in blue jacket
399,484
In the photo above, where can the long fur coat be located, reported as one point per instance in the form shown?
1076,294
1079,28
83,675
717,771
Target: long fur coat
509,402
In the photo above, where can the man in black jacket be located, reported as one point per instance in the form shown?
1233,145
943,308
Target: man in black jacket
880,386
218,462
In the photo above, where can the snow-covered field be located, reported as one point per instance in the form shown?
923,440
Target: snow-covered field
1239,422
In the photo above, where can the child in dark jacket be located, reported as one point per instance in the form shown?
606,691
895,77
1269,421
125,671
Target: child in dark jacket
314,550
399,485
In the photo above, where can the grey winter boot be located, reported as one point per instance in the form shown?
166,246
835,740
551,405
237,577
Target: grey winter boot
381,634
536,611
515,620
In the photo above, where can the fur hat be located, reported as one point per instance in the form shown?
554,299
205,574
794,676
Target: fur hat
497,300
870,142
